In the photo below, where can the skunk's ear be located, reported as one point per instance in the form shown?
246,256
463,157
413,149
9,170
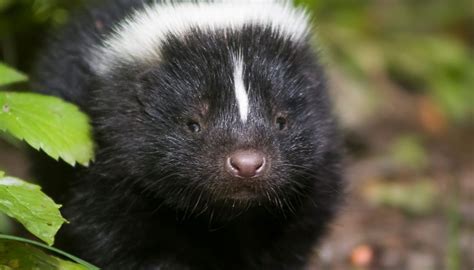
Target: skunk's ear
139,38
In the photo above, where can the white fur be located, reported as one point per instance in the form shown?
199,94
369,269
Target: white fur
239,88
140,37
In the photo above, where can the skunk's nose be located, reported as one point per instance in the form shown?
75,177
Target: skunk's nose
246,164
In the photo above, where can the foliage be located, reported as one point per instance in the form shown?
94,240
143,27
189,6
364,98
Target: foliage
414,198
387,40
423,48
408,152
23,24
26,203
8,75
15,255
62,131
47,123
23,256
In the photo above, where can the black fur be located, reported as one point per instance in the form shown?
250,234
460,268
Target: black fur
157,196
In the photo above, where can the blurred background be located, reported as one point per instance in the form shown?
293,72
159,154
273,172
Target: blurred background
402,76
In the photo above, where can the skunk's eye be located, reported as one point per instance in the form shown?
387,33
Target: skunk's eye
194,126
281,122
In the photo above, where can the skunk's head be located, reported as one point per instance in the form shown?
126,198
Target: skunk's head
215,105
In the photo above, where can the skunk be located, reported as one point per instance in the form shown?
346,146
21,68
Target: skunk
216,146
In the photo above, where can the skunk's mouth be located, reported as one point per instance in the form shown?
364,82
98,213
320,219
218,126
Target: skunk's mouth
243,194
242,191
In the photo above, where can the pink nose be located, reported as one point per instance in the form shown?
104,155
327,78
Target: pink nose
246,164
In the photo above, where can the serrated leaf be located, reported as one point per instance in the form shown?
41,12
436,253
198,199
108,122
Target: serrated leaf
15,255
47,123
9,75
27,204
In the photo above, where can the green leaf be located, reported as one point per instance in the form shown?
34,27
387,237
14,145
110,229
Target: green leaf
9,75
14,255
47,123
6,226
26,203
50,250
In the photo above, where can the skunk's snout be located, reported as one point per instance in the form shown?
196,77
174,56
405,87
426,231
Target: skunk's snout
246,164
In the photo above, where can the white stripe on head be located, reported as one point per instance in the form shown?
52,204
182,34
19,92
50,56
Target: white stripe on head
239,87
140,37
